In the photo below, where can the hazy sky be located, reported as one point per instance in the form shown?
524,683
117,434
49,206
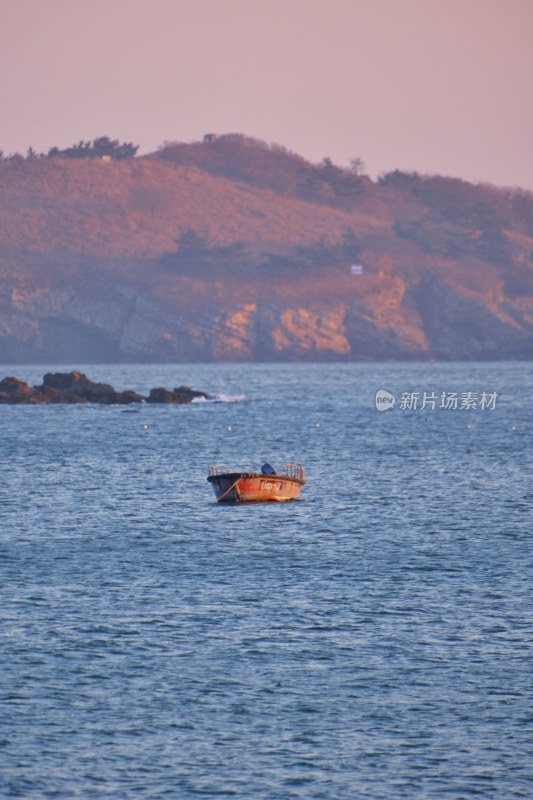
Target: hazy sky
437,86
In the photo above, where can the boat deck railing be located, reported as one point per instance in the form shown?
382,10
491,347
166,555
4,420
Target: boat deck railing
290,470
294,471
212,470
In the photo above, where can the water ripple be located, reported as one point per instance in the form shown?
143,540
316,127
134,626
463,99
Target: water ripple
372,640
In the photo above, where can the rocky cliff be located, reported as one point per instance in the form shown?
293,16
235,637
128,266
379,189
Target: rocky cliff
236,251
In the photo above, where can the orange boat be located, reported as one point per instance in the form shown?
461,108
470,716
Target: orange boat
267,486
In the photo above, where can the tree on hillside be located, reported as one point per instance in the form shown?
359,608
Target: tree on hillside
98,148
335,185
189,242
357,166
398,179
191,249
521,202
104,146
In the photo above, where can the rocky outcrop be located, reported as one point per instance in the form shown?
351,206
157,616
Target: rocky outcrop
14,391
75,387
183,394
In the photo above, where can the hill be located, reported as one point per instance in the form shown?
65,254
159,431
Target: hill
234,250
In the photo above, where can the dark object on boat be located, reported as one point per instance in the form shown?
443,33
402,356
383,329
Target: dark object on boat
231,486
268,469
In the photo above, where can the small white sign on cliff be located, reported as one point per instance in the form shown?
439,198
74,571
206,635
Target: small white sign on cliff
356,269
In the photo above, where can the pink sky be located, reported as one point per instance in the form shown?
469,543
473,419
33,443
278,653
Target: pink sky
437,86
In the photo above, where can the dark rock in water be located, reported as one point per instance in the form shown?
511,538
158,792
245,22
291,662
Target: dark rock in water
190,394
65,381
14,391
183,394
68,387
75,387
161,395
129,396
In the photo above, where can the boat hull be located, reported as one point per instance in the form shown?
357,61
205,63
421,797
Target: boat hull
255,488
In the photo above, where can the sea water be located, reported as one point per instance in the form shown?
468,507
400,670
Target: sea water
370,641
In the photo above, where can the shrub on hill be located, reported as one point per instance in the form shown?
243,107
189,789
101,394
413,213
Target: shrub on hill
252,161
194,255
479,206
461,218
98,148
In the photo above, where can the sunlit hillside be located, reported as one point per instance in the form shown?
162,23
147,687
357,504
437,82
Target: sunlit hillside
234,250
